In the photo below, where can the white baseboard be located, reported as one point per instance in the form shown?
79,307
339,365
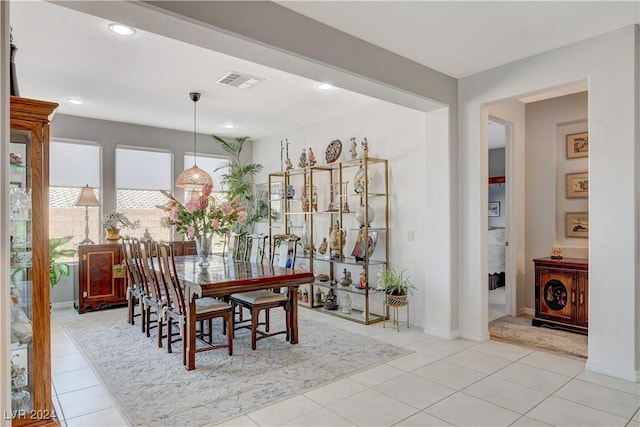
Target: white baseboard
438,333
633,376
526,310
61,305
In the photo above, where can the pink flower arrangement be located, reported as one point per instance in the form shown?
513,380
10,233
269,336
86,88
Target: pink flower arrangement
203,214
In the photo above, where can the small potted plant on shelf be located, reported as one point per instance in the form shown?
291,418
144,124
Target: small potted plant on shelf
396,283
114,221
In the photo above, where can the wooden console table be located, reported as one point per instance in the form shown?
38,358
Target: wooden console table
102,280
562,294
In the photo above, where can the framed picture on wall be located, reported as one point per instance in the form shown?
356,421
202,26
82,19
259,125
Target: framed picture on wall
494,208
577,185
577,145
577,224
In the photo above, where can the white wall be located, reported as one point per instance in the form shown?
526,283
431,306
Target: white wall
393,133
610,63
548,123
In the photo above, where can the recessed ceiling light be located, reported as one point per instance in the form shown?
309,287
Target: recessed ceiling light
122,30
325,86
75,101
230,125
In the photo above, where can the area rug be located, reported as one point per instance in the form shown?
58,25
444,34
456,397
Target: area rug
518,330
153,388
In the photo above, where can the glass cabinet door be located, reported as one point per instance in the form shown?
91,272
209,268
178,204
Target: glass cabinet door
21,274
28,273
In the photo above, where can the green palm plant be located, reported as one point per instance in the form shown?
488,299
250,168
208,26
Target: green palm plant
239,177
59,269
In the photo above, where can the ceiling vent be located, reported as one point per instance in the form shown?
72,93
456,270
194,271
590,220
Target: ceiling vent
242,81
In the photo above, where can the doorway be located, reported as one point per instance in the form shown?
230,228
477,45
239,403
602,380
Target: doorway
497,213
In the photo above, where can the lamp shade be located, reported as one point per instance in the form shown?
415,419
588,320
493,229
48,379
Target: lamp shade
194,178
87,197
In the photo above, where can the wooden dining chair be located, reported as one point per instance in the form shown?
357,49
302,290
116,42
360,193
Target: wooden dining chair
207,309
135,286
282,254
155,299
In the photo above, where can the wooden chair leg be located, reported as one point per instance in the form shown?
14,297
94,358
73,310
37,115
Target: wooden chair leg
148,321
229,324
142,315
254,328
160,331
184,344
266,319
169,329
288,319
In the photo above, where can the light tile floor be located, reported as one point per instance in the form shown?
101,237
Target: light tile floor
443,383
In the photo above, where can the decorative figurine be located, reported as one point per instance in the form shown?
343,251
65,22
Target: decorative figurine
346,279
332,197
287,162
362,283
354,148
345,205
331,300
312,157
305,296
556,253
365,147
290,191
323,246
338,240
380,285
302,162
318,296
346,304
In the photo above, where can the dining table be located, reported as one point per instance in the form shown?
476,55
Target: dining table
225,276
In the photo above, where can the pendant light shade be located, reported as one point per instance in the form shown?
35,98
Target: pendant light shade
194,178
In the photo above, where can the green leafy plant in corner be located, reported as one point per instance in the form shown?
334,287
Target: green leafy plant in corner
396,283
59,269
239,178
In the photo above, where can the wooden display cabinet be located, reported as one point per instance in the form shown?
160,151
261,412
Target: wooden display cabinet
562,294
102,280
28,275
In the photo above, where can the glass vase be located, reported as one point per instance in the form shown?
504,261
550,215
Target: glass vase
203,248
20,400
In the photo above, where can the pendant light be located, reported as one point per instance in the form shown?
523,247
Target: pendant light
194,178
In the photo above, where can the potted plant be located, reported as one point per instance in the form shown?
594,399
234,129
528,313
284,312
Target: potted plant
239,179
58,269
396,283
114,221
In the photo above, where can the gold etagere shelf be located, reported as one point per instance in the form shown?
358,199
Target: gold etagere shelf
339,208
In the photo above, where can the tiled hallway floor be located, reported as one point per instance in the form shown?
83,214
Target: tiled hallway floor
442,383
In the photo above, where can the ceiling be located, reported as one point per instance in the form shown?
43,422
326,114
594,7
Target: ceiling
146,78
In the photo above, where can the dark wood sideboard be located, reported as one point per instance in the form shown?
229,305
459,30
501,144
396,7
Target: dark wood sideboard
562,294
102,281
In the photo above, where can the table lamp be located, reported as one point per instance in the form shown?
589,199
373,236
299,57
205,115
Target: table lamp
87,198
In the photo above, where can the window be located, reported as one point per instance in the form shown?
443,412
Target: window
210,165
138,188
72,166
